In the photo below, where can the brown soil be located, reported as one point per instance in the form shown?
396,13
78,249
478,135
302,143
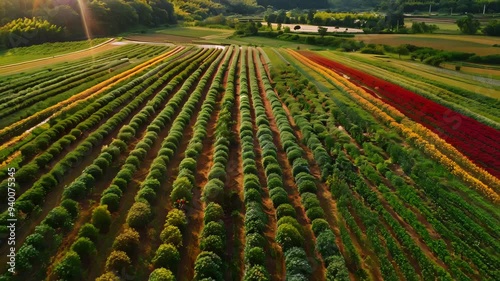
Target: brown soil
233,185
275,264
289,184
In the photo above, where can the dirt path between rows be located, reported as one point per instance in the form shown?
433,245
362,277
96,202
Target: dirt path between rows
234,188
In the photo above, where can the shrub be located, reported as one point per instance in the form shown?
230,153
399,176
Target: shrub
117,261
161,274
319,226
285,210
84,247
177,218
292,221
58,217
213,212
212,243
70,267
336,270
139,215
214,228
255,256
252,195
300,165
274,182
71,206
108,276
288,236
309,200
208,265
256,273
166,256
214,191
147,194
307,186
217,173
89,231
171,235
128,242
325,244
112,201
279,197
181,192
296,262
315,213
101,218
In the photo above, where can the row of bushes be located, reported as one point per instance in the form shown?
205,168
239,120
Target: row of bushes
140,214
173,231
255,217
210,262
289,234
306,182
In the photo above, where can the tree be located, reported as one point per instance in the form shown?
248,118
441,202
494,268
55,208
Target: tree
161,274
492,28
101,218
84,247
70,267
322,31
402,50
139,215
128,241
468,24
117,261
166,256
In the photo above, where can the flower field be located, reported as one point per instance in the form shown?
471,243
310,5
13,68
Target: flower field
476,140
239,163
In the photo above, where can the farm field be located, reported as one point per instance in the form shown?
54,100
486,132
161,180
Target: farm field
193,162
19,55
481,45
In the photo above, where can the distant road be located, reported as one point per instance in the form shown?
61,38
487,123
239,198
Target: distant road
314,28
27,65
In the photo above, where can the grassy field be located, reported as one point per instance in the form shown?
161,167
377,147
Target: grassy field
23,54
481,45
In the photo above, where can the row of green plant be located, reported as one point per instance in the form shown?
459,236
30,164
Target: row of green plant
81,187
306,182
256,219
53,142
290,233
